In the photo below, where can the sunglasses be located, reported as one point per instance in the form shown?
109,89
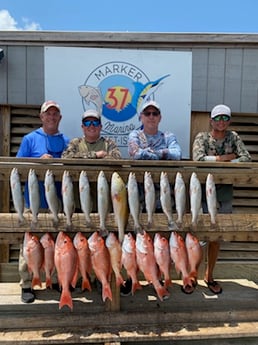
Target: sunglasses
224,118
149,113
87,123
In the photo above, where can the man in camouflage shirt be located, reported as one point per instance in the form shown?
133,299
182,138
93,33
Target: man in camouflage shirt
92,145
220,145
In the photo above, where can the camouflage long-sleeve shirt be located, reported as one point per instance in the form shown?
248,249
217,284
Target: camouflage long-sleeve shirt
79,148
205,145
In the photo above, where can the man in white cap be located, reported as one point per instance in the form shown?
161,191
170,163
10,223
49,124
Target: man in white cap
44,142
149,142
220,145
92,144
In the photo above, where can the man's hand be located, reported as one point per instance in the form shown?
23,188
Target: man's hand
101,154
226,158
46,155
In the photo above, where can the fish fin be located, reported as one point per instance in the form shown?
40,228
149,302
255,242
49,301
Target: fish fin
66,299
22,221
187,281
34,224
56,222
86,284
48,282
119,280
167,283
103,232
172,225
75,276
136,286
162,292
106,292
36,281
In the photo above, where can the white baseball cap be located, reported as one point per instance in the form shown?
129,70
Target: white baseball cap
47,104
220,109
91,113
150,104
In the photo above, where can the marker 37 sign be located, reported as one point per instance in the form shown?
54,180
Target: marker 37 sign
118,89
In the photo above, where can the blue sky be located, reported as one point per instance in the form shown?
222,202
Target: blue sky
222,16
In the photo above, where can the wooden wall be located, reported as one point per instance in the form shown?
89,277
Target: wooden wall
224,66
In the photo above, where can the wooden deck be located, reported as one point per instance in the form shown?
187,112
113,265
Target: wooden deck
199,318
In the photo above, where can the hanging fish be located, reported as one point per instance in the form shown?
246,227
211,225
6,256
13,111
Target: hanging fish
180,197
68,197
101,263
17,196
103,202
150,198
34,196
134,200
54,203
211,198
195,198
66,262
33,254
166,200
85,197
120,203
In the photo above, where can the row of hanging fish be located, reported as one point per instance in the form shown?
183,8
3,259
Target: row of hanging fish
153,257
125,198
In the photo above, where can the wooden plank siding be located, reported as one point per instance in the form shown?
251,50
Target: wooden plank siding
224,66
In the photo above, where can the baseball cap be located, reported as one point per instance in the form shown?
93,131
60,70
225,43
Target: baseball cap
220,109
150,103
46,105
91,113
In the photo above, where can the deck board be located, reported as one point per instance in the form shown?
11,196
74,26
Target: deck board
142,317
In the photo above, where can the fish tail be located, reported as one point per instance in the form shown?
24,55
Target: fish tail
187,281
136,286
86,284
106,292
162,292
172,225
119,280
167,283
36,281
48,282
66,299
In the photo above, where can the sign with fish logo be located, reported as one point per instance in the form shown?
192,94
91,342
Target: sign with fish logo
117,90
116,82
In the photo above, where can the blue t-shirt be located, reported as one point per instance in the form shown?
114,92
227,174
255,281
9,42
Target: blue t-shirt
36,144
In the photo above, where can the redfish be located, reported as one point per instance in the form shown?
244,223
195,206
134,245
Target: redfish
147,263
81,245
129,260
66,262
48,244
33,253
101,263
